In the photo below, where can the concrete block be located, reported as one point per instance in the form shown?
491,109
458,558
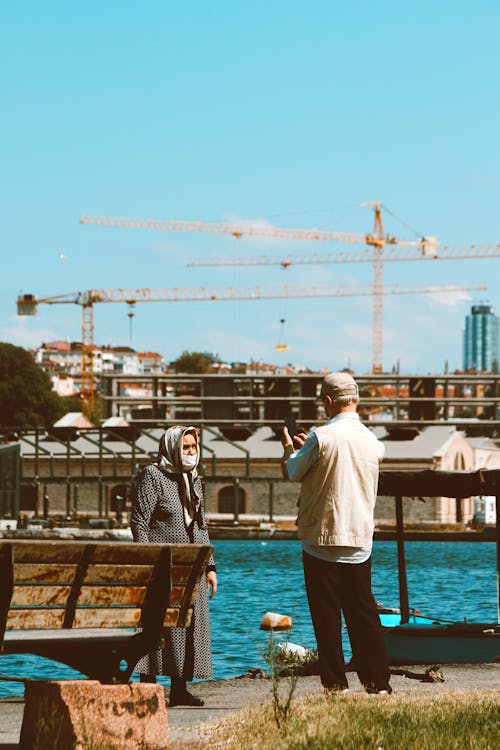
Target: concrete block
84,714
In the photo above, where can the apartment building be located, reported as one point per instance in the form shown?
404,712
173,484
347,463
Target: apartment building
62,360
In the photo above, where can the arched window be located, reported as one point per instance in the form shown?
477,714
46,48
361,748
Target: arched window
225,499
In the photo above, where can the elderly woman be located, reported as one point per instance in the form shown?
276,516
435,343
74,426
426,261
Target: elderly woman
168,507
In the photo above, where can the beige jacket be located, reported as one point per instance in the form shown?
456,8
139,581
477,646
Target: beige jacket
338,493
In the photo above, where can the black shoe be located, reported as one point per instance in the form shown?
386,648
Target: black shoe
332,689
373,689
184,699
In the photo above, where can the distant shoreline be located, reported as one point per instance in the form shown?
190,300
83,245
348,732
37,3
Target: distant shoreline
411,535
241,532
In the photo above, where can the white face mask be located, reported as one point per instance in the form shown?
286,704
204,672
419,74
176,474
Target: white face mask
189,462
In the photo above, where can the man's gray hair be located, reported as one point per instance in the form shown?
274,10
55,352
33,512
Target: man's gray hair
345,400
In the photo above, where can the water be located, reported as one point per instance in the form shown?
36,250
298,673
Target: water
446,580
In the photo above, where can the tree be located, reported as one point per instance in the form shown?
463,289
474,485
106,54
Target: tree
192,362
26,395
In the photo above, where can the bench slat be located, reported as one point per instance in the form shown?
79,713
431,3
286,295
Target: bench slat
119,553
27,619
181,574
50,596
102,617
102,596
96,574
59,573
32,596
18,637
112,596
129,574
107,618
176,618
122,574
41,619
46,572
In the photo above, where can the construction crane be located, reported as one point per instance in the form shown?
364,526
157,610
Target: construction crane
242,229
376,240
27,304
429,252
432,252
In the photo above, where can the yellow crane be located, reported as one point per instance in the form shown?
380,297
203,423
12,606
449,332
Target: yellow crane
380,248
242,229
27,304
375,240
429,252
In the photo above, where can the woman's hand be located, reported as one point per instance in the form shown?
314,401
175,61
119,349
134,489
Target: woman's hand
212,583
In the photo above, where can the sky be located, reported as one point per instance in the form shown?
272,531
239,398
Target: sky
281,113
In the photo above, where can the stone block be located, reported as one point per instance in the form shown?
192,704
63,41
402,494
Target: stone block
87,715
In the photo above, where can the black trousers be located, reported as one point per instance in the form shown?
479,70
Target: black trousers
333,588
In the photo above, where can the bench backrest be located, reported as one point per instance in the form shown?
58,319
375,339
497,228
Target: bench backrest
75,584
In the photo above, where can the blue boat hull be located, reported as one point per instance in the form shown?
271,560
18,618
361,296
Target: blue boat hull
391,618
442,643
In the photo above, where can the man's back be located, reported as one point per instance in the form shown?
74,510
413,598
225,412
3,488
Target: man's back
338,492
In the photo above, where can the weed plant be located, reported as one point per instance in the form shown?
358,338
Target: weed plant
283,680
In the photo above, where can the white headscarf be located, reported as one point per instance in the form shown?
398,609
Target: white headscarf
170,461
170,450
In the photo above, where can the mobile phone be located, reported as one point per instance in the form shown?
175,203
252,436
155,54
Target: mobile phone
291,425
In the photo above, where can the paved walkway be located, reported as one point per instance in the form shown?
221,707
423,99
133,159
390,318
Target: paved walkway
223,697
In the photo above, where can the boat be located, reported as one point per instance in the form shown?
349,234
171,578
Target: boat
410,637
426,640
390,617
438,643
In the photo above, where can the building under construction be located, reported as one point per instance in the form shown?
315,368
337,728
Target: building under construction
78,470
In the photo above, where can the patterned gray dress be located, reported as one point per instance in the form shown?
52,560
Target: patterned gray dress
158,516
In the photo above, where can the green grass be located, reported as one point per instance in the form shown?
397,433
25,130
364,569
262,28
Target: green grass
465,721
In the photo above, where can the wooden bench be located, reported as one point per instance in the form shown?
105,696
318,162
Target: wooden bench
80,603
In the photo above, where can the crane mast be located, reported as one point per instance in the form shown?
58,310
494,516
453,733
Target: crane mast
88,392
377,241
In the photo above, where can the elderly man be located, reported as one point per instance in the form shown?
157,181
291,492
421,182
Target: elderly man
338,466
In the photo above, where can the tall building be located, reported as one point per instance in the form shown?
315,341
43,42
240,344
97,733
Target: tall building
481,339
